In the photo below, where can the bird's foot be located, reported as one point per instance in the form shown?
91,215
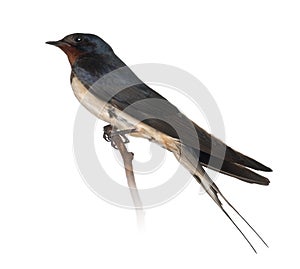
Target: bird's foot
109,132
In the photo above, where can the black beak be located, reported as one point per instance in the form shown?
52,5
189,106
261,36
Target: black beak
54,43
58,43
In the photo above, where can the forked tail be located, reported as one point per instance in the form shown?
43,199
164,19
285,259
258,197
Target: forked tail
213,191
189,161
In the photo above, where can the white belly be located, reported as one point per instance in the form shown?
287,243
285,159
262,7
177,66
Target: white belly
120,120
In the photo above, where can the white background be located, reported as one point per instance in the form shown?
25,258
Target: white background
246,53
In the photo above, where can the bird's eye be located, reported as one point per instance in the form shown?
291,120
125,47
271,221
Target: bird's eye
78,39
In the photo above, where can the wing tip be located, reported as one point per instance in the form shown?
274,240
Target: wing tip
268,169
239,158
264,182
262,167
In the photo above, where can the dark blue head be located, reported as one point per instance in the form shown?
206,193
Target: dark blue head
75,45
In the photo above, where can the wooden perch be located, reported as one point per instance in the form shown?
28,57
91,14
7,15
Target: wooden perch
127,160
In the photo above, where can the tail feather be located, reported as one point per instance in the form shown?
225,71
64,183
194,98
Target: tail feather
211,188
244,219
188,159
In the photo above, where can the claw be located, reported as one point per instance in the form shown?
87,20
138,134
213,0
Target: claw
106,137
108,132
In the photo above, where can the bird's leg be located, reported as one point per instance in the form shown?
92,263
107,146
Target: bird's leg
123,134
109,131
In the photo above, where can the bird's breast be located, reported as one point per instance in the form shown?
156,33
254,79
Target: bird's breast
119,119
93,104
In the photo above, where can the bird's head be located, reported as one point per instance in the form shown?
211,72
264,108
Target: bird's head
75,45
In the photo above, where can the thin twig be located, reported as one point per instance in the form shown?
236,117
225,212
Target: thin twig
127,160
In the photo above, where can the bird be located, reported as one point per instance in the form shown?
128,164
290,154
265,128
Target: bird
111,91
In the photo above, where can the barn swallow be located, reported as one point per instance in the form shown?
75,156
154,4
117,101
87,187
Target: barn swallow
112,92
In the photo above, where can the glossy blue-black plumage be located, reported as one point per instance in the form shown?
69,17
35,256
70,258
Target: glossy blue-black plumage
104,74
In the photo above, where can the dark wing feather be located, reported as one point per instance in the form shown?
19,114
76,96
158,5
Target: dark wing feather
143,103
232,169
